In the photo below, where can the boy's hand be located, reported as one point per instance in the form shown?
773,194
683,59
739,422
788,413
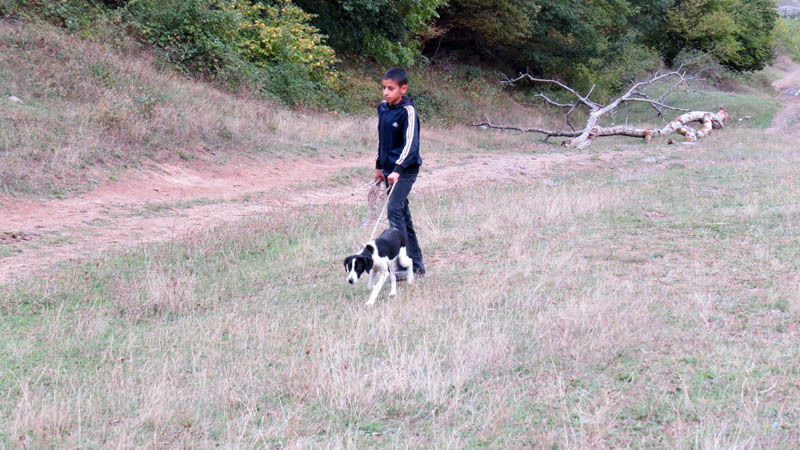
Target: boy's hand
378,174
393,177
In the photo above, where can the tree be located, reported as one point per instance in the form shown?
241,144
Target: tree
587,43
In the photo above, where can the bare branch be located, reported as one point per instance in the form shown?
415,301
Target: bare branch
562,133
581,99
590,91
553,102
656,103
569,122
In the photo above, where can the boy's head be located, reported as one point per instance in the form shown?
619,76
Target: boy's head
395,85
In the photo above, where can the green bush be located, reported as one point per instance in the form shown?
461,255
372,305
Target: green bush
737,33
197,35
281,34
389,53
430,103
240,42
291,84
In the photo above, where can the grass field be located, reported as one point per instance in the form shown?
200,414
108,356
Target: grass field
651,305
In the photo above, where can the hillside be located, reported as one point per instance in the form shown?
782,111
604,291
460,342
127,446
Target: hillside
89,112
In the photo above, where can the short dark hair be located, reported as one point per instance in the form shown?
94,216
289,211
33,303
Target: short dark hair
398,75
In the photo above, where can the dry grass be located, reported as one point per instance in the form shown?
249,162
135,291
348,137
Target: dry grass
652,305
89,110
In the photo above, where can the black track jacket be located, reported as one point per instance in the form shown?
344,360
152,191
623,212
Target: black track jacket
398,138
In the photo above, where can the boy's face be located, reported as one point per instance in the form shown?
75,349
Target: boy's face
393,92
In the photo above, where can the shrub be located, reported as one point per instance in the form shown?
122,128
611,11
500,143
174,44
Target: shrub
197,35
389,53
291,84
281,34
236,42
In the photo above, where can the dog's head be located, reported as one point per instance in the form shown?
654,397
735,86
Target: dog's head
355,265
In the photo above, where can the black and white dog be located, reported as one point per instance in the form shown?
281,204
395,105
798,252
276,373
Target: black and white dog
376,259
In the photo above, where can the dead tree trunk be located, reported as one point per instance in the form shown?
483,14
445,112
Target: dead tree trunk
584,137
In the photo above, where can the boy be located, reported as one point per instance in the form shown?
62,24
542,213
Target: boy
398,157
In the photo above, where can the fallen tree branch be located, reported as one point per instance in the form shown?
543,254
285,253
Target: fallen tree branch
678,125
591,130
549,133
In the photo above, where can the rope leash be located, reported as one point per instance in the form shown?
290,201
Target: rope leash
380,214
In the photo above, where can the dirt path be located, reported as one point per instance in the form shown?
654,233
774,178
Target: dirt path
173,201
787,120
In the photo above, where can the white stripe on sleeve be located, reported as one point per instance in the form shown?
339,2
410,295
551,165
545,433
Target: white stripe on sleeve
410,129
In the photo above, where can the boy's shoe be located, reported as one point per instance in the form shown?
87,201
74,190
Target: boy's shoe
402,275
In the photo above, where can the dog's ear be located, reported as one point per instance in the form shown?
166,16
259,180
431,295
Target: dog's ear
346,260
367,264
369,249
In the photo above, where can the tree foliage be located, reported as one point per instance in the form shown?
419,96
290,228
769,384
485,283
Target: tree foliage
738,33
589,42
390,31
598,44
490,22
606,42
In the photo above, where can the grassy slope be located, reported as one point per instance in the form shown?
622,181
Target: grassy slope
91,111
650,305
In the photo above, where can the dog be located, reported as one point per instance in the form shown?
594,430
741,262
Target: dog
376,259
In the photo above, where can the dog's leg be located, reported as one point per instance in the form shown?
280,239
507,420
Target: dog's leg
371,279
393,278
407,264
377,289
